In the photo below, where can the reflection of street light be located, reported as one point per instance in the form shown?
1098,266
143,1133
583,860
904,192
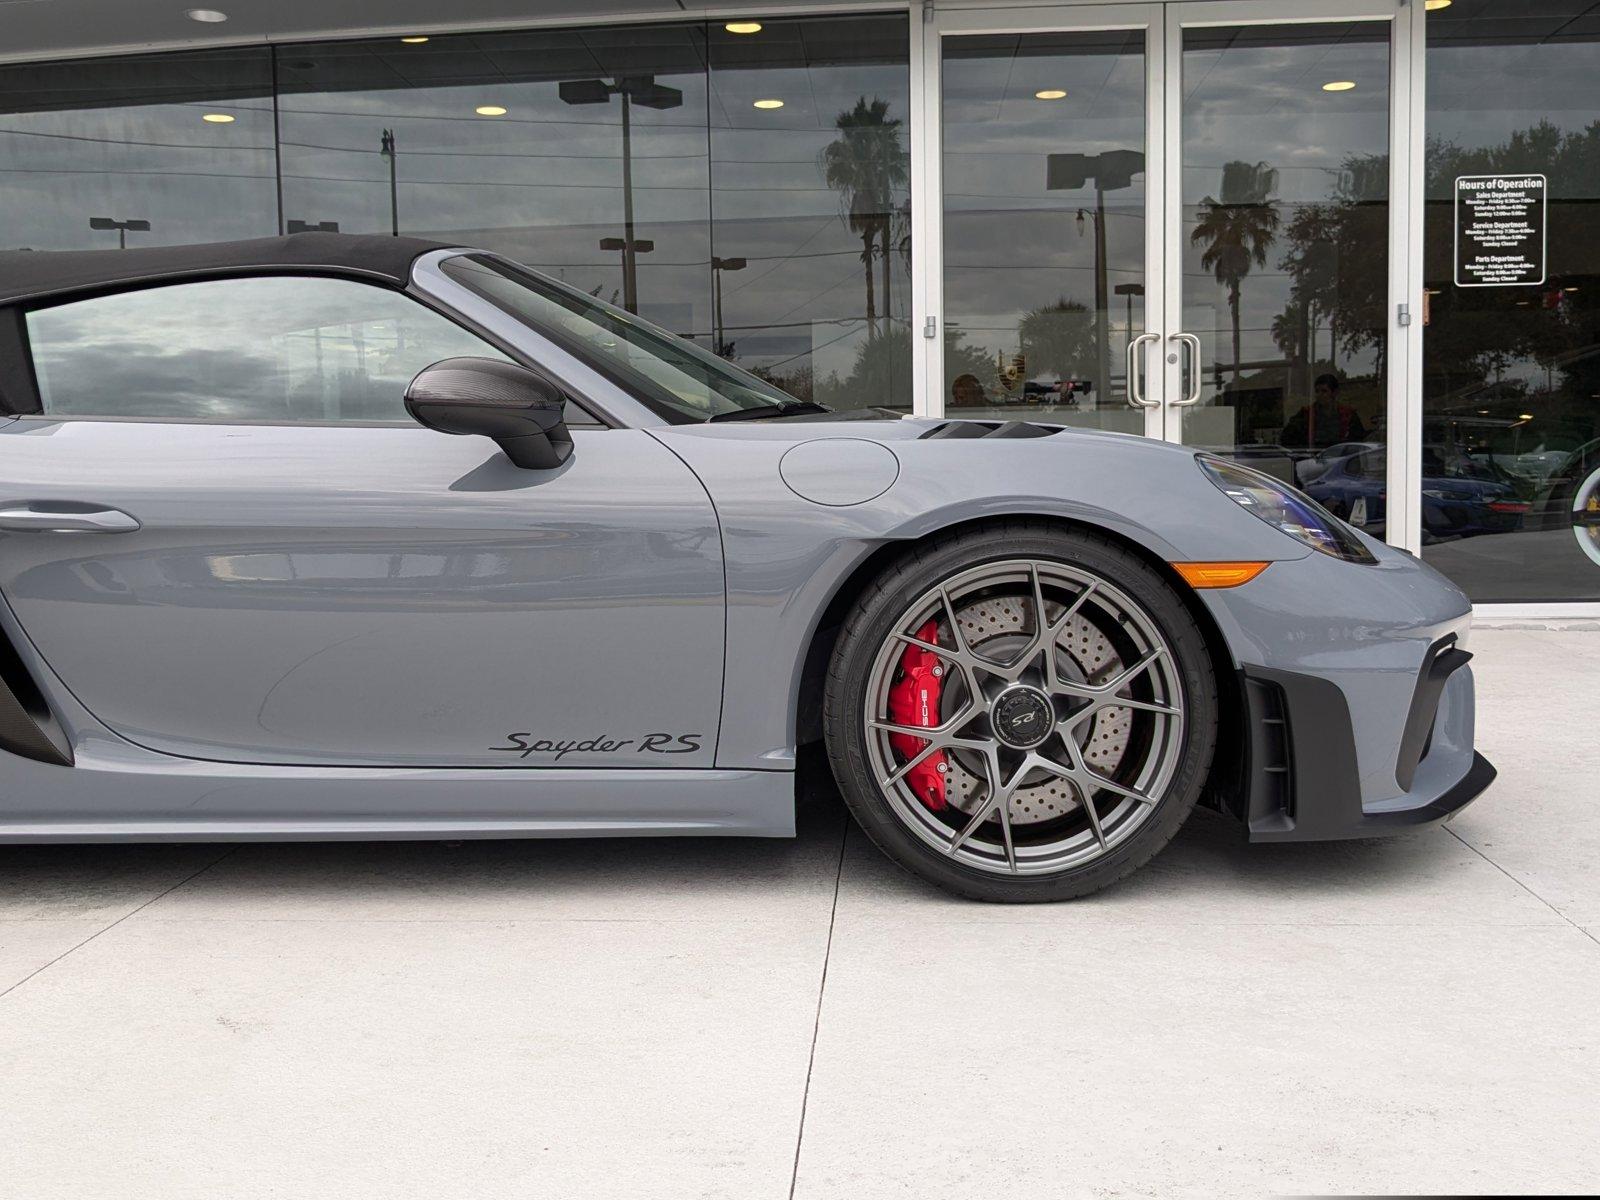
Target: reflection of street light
634,89
386,149
629,248
718,266
296,226
1130,290
1110,170
123,228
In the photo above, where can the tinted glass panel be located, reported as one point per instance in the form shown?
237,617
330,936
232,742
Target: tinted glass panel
581,153
1286,264
680,380
272,349
1044,211
1511,386
810,169
147,151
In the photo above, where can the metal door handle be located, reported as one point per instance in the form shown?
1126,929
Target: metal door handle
1191,370
1135,374
42,519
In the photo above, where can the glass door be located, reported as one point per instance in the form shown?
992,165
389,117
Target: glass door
1283,222
1180,220
1046,252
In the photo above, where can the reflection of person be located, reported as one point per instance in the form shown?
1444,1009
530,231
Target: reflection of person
1324,422
967,392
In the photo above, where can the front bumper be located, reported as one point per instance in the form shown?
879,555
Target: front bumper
1297,777
1354,707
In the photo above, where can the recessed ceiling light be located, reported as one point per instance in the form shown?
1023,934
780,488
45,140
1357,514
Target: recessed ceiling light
743,26
1435,5
414,41
769,103
1520,416
1050,94
1338,85
490,110
206,16
218,118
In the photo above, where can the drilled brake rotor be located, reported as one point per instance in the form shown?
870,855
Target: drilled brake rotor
1083,651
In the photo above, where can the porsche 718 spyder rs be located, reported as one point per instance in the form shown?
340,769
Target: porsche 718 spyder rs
251,592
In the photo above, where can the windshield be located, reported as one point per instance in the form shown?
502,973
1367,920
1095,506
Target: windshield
676,378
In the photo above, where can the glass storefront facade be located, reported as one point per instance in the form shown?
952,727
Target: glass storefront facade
1511,371
750,192
1349,244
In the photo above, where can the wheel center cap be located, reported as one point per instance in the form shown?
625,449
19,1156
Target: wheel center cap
1022,717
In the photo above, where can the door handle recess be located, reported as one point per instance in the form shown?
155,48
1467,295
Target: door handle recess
43,519
1136,371
1191,370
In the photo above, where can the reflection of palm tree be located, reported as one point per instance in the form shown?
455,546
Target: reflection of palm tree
1237,231
865,164
1059,337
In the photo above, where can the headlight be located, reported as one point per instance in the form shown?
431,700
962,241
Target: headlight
1285,508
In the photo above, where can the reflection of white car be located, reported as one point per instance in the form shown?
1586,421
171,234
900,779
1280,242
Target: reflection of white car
1536,464
1307,470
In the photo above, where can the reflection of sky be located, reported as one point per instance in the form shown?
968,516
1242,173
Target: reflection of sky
263,349
1257,99
1011,244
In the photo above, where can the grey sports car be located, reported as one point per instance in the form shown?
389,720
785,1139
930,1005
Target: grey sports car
251,591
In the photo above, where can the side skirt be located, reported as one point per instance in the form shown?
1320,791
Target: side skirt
124,794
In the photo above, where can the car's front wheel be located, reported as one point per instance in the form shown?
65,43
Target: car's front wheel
1021,712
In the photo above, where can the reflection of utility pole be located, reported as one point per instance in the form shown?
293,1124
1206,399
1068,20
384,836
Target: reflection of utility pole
297,226
387,150
718,266
1110,170
123,228
634,89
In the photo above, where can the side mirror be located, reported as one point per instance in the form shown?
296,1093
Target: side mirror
493,399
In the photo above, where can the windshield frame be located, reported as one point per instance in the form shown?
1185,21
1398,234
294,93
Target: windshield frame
647,391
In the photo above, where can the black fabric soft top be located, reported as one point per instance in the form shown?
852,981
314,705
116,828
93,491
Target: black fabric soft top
33,274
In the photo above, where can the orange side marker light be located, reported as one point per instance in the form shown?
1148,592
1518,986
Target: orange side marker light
1218,574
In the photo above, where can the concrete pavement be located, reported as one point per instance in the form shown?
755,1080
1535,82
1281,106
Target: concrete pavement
773,1019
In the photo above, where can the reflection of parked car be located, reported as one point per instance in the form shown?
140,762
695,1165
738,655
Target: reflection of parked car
1453,505
1311,468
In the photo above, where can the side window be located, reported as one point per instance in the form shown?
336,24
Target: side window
271,348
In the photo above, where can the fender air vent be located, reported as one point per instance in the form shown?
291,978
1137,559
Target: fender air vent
989,429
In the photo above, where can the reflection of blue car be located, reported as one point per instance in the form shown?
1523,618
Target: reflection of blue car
1353,487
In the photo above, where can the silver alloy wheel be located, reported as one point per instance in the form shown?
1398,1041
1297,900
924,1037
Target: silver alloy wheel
1000,680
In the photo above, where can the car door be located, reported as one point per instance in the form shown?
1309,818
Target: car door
223,534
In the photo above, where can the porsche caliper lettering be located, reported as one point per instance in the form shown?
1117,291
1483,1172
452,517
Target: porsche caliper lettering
524,744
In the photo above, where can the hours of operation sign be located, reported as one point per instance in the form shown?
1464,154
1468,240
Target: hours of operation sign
1500,238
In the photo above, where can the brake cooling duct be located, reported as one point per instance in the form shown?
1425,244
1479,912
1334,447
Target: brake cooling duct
914,701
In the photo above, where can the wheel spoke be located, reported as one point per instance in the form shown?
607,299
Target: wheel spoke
943,733
1086,798
1005,833
904,768
1166,710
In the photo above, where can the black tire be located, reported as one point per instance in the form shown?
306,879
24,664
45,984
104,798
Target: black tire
925,566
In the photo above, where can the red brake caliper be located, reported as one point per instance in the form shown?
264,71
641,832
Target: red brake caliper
914,700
